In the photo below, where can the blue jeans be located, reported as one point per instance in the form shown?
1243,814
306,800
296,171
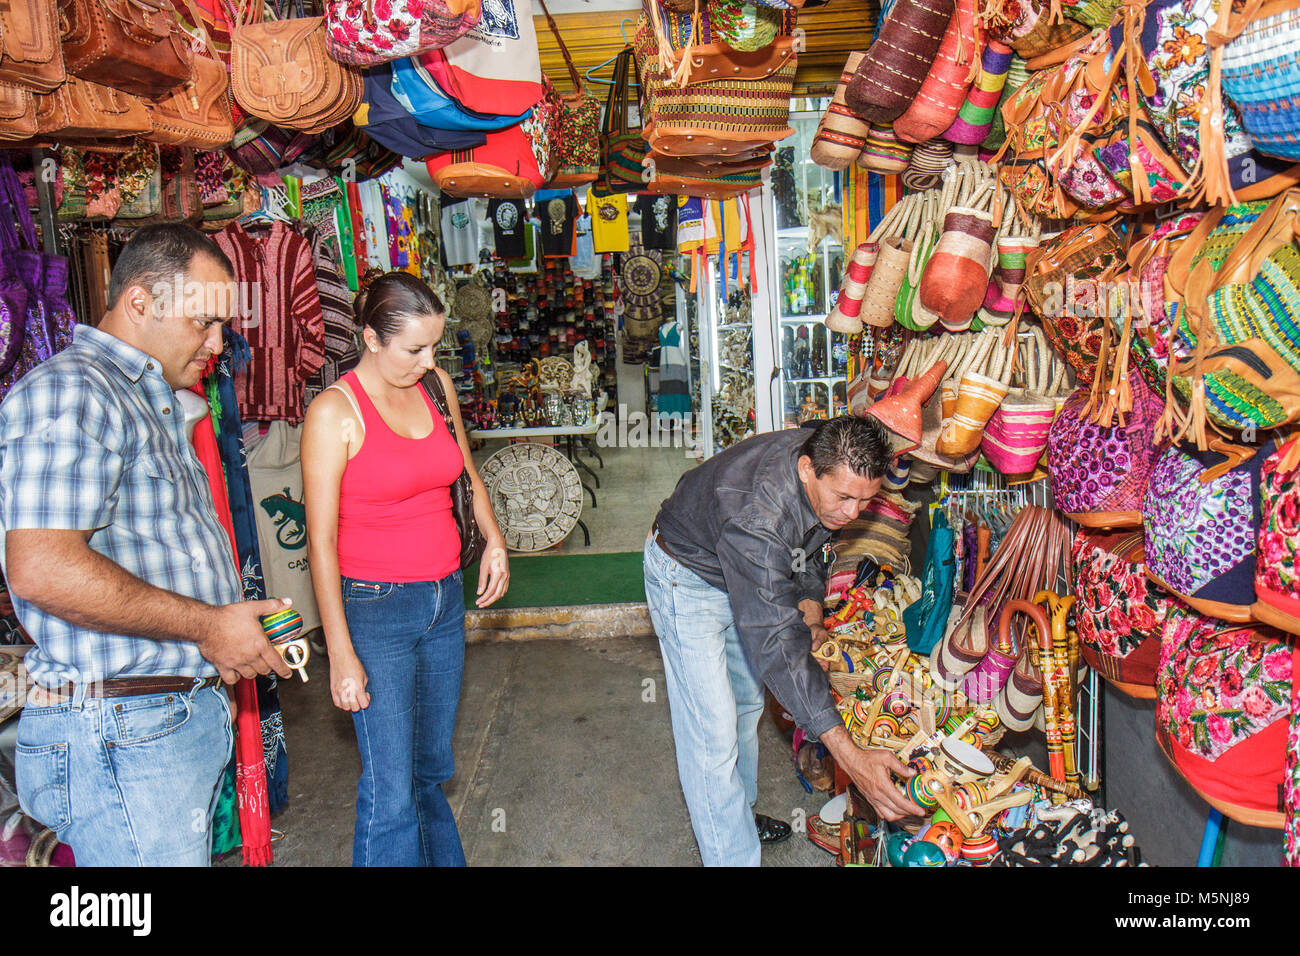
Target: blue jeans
715,701
127,781
410,638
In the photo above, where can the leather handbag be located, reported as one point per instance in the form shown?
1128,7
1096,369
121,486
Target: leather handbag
30,53
198,114
136,46
17,112
472,541
280,72
84,110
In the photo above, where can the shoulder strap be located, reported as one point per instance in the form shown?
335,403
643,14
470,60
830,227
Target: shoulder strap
351,401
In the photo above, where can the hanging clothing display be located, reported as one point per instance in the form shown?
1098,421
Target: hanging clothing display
288,337
374,218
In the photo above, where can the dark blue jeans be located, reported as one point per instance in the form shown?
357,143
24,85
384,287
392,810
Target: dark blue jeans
410,638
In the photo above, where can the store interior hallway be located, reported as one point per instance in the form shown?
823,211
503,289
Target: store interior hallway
564,756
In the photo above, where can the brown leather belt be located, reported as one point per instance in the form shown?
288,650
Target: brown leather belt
138,686
659,540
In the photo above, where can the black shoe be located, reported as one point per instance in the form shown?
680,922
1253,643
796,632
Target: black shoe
771,830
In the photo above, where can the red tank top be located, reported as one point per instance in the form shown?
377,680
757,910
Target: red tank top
395,520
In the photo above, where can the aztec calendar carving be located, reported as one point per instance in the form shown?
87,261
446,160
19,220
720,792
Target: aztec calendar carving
535,494
556,370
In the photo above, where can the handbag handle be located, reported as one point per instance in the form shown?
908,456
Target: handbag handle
564,50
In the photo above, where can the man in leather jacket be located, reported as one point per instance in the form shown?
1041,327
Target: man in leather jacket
735,572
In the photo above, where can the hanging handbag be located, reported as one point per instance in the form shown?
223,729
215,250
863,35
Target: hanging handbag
82,111
414,86
1119,612
356,35
495,68
17,112
279,71
622,148
1261,78
30,53
1225,709
577,148
1100,472
136,46
198,114
1277,563
943,91
1201,517
897,62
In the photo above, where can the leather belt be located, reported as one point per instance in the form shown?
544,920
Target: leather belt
137,686
659,540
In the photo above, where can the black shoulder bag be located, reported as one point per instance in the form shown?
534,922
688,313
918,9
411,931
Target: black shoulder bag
472,541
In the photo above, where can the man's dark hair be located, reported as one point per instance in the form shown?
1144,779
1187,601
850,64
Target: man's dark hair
157,254
390,300
861,444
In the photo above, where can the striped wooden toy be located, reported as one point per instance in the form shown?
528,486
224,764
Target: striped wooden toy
282,626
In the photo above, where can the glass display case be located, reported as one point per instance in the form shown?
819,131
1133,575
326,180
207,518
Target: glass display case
812,360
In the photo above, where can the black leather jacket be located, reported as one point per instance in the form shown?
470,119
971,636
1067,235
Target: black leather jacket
742,521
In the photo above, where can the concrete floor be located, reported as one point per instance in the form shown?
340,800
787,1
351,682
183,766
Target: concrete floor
560,761
634,482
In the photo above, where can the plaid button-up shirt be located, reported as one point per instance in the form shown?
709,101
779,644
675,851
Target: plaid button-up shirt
94,440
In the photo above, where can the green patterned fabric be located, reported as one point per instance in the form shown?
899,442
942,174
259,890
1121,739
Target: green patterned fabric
226,837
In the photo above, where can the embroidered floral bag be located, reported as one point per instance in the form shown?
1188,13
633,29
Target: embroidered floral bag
1277,559
1226,717
1200,515
1120,614
369,32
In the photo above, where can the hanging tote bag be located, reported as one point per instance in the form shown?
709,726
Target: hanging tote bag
495,68
512,164
1262,79
622,147
577,148
356,34
1100,472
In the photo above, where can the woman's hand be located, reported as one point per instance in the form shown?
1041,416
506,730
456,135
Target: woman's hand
348,682
493,573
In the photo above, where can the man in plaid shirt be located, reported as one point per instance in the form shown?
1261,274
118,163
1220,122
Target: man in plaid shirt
121,572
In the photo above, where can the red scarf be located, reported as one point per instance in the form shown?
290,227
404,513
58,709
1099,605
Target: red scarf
250,765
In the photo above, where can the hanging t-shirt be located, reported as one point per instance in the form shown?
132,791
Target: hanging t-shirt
557,214
532,240
509,227
658,221
584,262
695,225
608,222
460,238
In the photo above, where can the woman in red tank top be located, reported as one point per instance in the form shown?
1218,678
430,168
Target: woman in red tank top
378,463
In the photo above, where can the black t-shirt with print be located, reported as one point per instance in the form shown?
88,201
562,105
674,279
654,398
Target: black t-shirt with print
557,215
509,220
658,221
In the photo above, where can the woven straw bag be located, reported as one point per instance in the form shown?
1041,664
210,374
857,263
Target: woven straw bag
950,75
891,74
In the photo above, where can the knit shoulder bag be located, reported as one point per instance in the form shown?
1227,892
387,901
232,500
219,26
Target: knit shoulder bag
622,147
1261,77
577,147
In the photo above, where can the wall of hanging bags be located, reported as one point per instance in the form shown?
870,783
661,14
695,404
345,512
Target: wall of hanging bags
1123,233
